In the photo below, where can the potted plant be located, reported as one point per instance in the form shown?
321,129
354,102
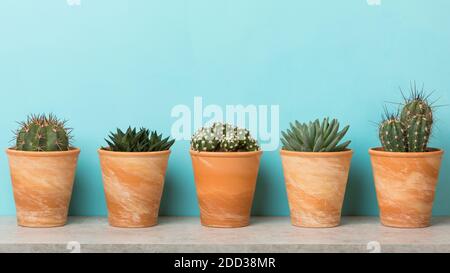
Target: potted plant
405,169
42,165
225,160
133,168
316,168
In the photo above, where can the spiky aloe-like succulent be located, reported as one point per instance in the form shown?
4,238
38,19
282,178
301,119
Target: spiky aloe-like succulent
223,138
133,140
43,133
410,130
315,137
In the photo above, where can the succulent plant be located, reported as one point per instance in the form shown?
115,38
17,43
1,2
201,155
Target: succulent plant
315,137
410,131
137,141
392,134
223,138
416,105
43,133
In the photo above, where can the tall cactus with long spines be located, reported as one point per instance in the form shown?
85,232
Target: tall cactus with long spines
43,133
411,130
416,105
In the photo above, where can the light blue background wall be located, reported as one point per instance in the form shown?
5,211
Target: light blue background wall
111,63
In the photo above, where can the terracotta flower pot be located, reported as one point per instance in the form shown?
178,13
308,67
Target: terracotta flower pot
315,184
42,183
405,184
133,184
225,183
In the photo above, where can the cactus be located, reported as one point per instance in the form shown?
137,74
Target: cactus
392,135
416,105
410,131
418,129
315,137
43,133
223,138
137,141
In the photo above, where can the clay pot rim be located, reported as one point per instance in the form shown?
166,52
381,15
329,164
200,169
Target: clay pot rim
72,151
432,152
225,154
347,152
132,154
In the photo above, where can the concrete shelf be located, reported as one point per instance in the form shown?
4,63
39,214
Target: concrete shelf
185,234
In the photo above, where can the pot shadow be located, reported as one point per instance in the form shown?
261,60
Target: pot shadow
440,221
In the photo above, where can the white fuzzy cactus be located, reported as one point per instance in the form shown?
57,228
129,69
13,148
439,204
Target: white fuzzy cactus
223,138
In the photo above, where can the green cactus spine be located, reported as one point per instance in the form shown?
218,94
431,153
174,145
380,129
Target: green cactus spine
43,133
